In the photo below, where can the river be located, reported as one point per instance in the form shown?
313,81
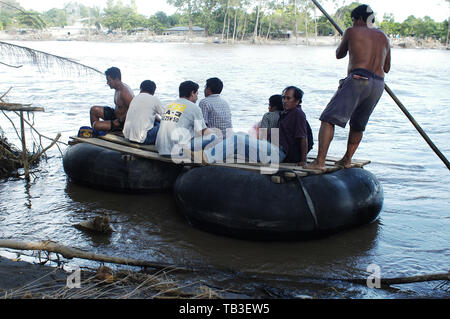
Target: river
411,236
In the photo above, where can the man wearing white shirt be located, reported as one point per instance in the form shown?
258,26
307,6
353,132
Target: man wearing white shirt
142,122
182,121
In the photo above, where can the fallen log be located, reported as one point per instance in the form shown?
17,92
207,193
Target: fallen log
70,253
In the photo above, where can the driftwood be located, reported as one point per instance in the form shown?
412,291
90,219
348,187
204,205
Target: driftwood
70,253
99,224
37,155
19,110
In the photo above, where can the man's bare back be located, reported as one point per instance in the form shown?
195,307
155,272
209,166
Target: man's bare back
105,118
122,99
368,49
370,56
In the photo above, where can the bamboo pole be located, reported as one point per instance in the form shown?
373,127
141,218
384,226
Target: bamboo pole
394,97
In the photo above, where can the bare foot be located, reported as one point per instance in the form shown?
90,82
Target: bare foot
343,163
314,165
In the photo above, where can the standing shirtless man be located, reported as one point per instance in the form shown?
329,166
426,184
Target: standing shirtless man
359,93
113,119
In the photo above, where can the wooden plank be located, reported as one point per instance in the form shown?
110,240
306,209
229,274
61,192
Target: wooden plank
124,149
121,144
155,156
124,141
330,161
20,107
335,159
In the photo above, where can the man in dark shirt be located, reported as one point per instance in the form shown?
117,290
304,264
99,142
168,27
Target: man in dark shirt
293,127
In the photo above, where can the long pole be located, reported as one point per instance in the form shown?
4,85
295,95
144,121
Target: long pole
394,97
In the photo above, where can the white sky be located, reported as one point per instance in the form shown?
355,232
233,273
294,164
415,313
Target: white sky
438,10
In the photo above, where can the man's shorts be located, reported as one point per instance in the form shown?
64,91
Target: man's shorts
109,113
355,99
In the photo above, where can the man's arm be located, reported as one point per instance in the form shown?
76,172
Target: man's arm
342,49
303,151
204,107
127,97
387,61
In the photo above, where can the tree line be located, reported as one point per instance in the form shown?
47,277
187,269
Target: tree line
230,19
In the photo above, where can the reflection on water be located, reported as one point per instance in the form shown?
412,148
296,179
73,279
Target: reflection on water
410,237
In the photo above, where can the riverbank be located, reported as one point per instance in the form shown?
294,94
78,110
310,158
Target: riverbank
408,43
24,280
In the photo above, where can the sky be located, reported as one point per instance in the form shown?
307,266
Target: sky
438,10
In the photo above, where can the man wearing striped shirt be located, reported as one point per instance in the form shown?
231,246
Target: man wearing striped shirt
216,110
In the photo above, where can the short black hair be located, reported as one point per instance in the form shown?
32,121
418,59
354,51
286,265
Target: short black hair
215,85
363,11
276,101
148,86
298,94
114,73
187,87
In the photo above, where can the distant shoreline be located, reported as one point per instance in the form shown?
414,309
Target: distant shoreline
408,43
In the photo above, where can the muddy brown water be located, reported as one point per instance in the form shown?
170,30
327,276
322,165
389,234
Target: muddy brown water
411,236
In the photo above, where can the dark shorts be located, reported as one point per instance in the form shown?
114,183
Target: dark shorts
355,100
109,113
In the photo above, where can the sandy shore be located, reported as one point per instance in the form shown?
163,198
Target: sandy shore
148,37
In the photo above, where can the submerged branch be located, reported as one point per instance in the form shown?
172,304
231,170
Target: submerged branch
43,59
36,156
11,66
70,253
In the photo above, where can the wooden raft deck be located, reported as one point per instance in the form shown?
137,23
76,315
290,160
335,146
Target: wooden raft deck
289,170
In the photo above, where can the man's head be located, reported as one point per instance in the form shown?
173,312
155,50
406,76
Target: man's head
213,86
148,86
113,77
189,91
292,96
275,103
363,12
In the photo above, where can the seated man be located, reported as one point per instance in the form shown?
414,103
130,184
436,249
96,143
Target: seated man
181,122
142,124
270,119
295,132
113,119
216,110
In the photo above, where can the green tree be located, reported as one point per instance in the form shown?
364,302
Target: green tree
31,19
448,27
55,17
188,7
8,12
119,16
389,26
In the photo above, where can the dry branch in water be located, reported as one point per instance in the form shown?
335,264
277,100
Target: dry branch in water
70,253
43,59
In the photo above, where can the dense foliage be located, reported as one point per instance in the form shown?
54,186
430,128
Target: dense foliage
232,19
